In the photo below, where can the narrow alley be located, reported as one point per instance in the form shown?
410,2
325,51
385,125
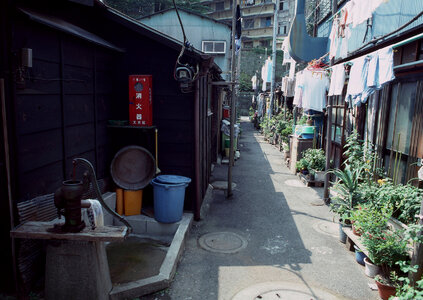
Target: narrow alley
292,246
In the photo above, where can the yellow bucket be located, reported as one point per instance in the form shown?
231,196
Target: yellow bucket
132,202
119,201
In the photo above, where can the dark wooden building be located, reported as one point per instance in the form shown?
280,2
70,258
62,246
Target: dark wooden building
58,108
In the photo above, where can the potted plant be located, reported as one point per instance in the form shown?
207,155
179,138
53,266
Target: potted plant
346,195
385,248
316,160
302,166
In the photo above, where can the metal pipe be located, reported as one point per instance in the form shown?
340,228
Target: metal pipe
93,179
233,99
272,83
8,178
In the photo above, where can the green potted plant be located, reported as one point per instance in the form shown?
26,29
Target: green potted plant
302,166
316,160
385,248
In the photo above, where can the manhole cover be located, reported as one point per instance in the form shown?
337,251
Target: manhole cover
282,290
284,294
222,242
222,185
327,227
295,183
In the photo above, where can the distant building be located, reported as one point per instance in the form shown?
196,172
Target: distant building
257,19
203,33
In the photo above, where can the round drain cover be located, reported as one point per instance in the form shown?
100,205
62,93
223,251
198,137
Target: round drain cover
222,242
284,294
327,227
283,290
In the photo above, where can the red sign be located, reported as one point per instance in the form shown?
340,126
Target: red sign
140,100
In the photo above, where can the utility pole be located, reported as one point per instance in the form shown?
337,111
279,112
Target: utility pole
275,31
233,99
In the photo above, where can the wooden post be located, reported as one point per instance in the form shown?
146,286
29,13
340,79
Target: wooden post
328,148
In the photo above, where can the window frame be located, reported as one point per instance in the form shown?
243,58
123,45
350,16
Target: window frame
214,47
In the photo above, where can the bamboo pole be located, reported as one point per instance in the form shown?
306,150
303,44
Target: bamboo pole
9,186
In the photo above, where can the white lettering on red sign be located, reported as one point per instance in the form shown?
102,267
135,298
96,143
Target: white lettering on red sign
138,106
139,116
138,96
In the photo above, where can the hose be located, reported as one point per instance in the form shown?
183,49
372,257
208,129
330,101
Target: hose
93,179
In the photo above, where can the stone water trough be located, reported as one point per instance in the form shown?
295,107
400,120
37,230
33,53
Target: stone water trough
146,261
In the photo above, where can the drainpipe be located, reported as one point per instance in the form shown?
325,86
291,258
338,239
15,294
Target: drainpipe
197,202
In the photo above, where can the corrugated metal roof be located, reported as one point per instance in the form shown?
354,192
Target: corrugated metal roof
69,28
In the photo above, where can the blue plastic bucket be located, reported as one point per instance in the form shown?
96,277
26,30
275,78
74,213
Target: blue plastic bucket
168,201
307,136
173,179
359,255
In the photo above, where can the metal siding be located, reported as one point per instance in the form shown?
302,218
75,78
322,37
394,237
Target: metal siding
388,17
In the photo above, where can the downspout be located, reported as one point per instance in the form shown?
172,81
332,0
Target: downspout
197,203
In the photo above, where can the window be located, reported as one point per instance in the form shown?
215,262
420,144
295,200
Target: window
266,22
283,29
248,23
220,6
216,47
265,43
250,2
283,5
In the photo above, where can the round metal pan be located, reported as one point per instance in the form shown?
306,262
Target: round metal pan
133,168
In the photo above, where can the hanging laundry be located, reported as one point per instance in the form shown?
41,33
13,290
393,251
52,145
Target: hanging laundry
254,82
298,91
260,105
368,74
288,86
315,85
334,39
337,80
358,80
292,69
269,66
361,11
386,65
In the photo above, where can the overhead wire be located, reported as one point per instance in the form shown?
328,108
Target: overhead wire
185,44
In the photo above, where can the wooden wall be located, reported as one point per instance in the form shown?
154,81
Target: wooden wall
173,111
61,107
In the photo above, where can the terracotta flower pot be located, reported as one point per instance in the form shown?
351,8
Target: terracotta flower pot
356,232
385,291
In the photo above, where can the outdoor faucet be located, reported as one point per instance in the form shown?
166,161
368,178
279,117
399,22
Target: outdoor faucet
93,180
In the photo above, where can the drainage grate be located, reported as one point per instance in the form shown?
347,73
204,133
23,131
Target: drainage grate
222,242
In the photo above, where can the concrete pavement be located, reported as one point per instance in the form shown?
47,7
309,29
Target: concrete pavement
292,246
